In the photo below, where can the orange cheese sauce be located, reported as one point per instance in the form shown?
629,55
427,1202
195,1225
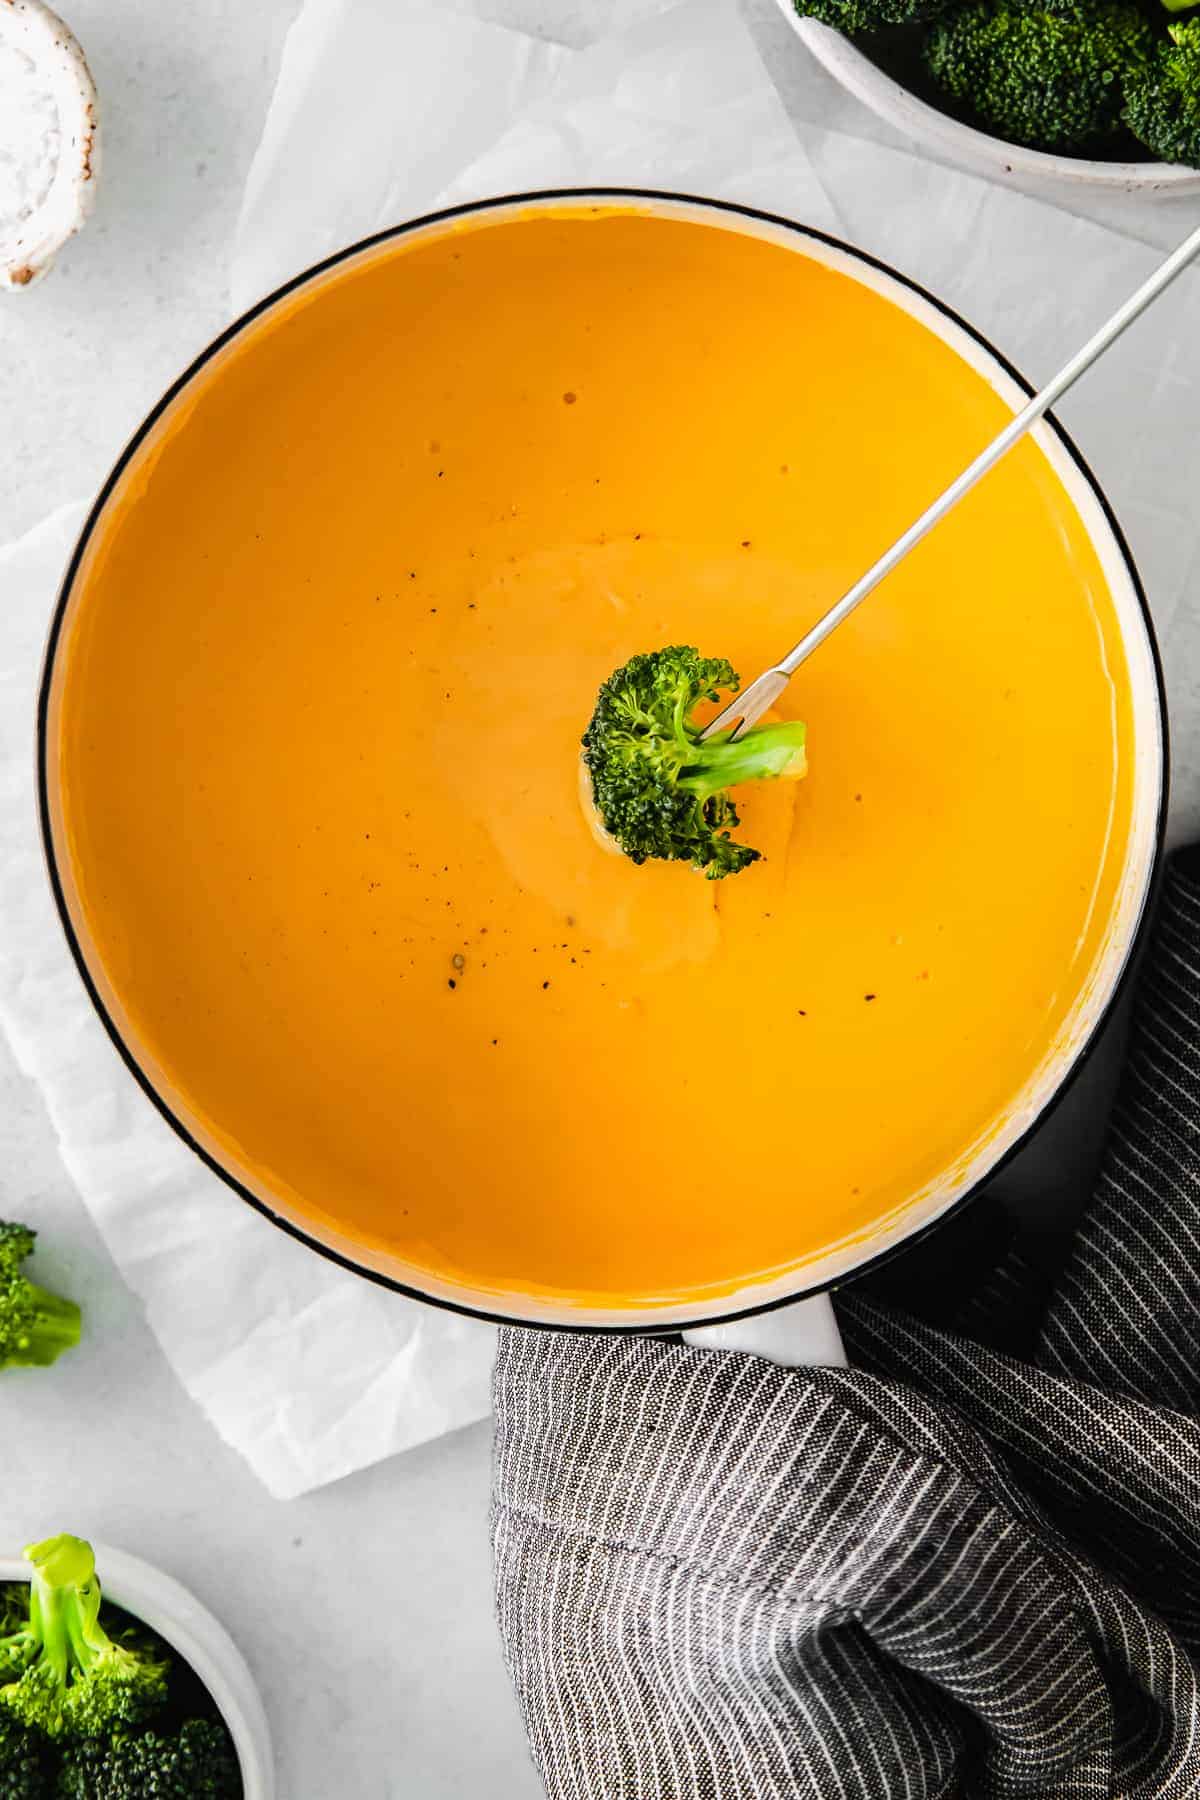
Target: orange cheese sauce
316,735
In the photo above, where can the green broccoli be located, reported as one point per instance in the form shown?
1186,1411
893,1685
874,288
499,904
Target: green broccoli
35,1327
196,1763
65,1675
23,1774
1035,75
855,17
660,792
14,1617
1162,104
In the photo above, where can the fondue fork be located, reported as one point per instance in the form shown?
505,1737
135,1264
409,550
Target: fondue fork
765,689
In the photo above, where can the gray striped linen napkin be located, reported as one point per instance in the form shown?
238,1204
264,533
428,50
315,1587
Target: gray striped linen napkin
967,1565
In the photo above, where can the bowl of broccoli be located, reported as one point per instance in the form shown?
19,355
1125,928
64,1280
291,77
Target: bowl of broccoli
1096,93
130,1693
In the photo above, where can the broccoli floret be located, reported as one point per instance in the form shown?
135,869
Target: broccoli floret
196,1763
35,1327
14,1624
854,17
658,791
1162,104
23,1772
1054,80
19,1642
65,1675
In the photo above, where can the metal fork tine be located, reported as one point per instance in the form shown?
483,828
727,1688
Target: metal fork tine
746,708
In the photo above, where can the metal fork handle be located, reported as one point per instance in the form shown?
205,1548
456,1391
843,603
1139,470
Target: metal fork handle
750,705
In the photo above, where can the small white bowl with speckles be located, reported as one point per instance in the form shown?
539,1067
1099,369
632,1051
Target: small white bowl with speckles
200,1640
49,140
916,118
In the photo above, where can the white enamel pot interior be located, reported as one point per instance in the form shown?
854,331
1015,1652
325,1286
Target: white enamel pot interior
889,99
923,1210
191,1630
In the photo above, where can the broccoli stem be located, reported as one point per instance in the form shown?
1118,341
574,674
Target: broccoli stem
53,1327
764,752
64,1602
47,1617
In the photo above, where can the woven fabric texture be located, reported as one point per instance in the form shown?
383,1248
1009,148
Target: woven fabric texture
953,1569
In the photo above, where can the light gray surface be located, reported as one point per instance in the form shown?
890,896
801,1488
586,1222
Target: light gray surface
364,1609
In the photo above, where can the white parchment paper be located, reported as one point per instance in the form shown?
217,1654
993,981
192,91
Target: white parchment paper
383,110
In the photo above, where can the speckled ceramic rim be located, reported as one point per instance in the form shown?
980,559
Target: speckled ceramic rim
836,1265
883,95
30,27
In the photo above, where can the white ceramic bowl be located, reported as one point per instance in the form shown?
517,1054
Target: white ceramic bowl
976,149
180,1620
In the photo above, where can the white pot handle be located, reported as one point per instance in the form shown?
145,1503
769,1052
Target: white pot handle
802,1336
